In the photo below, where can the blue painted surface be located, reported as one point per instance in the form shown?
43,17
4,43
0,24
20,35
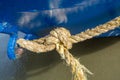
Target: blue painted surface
37,18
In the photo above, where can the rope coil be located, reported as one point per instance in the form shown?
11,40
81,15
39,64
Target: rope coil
61,40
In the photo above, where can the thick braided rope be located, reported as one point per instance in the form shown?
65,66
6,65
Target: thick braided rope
62,40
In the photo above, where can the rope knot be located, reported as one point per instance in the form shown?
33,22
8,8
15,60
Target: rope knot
61,36
62,40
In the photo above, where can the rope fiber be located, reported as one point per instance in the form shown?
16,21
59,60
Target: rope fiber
61,40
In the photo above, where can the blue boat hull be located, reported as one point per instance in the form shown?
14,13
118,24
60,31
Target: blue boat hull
37,18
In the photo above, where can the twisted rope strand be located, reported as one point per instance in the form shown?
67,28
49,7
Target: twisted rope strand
90,33
76,68
61,40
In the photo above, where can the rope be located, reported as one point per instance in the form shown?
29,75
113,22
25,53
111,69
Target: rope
61,40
